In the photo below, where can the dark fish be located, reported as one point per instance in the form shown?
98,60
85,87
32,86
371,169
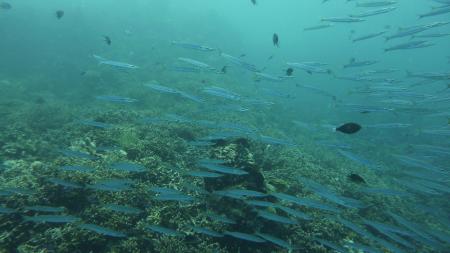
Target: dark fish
275,40
253,2
270,57
59,14
289,71
348,128
107,40
5,6
356,178
242,55
224,70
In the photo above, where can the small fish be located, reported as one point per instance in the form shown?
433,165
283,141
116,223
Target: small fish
343,19
78,154
184,69
193,46
373,12
64,183
240,193
113,185
102,230
348,128
409,45
432,35
117,64
222,169
330,245
196,63
96,124
239,62
305,202
358,159
353,63
275,40
375,3
220,218
276,218
206,231
174,197
253,2
163,230
369,36
276,241
310,67
6,210
46,209
123,209
204,174
295,213
76,168
221,92
163,190
289,71
224,70
356,178
5,6
245,236
107,40
116,99
267,77
435,12
317,27
128,167
59,14
51,218
164,89
260,203
16,190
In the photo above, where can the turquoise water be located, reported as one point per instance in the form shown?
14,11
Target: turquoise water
180,126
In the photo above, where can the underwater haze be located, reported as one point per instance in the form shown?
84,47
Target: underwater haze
250,126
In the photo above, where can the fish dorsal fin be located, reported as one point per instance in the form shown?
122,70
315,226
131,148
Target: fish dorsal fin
352,60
